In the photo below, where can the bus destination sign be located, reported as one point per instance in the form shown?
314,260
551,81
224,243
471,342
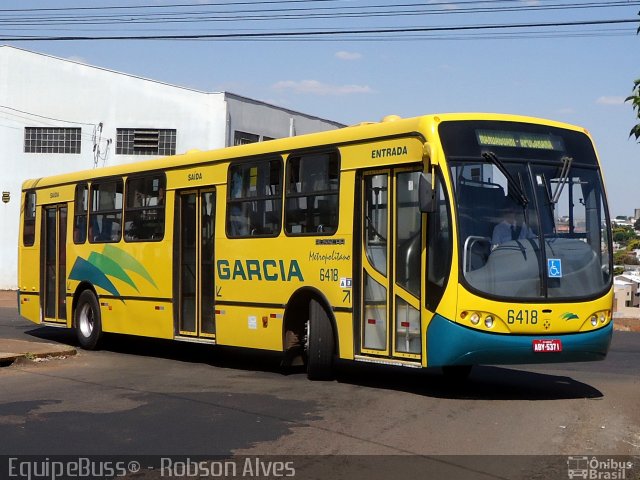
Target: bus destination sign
536,141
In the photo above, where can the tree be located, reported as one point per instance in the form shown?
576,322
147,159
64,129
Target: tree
622,257
634,98
623,234
635,102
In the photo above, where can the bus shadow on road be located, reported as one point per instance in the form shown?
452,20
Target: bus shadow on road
484,383
206,354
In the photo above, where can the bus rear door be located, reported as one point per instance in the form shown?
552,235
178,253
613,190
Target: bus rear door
195,213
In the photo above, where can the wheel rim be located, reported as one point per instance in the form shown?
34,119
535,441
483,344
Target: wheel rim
86,321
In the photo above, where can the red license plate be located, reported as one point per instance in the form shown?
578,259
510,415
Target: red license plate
545,346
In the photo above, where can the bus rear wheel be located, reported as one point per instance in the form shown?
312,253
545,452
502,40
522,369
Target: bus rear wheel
87,321
320,343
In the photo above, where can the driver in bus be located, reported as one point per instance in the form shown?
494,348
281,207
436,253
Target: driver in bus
509,228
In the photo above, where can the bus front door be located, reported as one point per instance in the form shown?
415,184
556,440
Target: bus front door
391,279
195,248
53,268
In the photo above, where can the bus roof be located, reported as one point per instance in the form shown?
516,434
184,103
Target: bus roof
393,126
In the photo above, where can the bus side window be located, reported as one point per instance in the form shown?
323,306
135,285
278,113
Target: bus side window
312,194
144,214
29,227
254,199
105,216
80,214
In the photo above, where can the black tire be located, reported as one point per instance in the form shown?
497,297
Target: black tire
457,373
87,321
320,344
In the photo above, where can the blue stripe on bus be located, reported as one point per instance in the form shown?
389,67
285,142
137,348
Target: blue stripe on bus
449,343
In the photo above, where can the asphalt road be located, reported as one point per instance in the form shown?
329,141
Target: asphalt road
141,396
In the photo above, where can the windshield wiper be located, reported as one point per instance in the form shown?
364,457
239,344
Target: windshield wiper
517,186
562,181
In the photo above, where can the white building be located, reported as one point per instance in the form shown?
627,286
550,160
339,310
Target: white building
58,116
626,289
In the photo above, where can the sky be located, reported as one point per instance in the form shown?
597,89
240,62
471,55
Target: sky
456,57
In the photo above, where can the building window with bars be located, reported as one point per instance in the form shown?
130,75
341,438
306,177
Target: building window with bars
242,138
145,141
51,140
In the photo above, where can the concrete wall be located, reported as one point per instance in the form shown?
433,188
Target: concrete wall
252,116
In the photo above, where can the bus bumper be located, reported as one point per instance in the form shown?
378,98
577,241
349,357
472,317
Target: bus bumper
451,344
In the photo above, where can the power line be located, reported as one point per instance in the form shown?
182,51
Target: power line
251,2
393,10
48,118
319,33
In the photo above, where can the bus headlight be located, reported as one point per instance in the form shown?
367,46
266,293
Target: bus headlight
603,317
488,321
594,320
475,318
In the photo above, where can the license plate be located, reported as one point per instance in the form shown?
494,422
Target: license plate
544,346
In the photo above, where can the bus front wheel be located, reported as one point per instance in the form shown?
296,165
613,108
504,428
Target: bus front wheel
320,344
87,321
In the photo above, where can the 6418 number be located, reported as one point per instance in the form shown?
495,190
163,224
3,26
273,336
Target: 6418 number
328,274
523,317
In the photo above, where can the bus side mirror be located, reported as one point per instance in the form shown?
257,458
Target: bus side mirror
426,194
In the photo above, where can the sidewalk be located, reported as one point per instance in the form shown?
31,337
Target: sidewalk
627,319
12,349
8,298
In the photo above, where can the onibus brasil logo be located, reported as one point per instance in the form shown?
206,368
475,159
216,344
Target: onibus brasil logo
595,468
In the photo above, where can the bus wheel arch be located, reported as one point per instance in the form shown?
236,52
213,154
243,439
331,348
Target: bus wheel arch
87,321
303,304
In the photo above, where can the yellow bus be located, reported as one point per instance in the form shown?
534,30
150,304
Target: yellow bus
445,240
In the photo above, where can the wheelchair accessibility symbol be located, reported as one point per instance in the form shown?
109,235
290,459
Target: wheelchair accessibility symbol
554,267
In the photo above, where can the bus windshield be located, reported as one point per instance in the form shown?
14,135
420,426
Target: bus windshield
531,210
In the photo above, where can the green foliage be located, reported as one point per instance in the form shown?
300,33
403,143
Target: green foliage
633,244
623,234
622,257
634,98
635,103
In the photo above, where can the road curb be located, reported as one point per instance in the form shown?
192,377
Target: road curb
13,350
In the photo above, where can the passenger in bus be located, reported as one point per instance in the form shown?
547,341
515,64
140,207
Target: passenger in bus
94,229
115,231
510,228
80,229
